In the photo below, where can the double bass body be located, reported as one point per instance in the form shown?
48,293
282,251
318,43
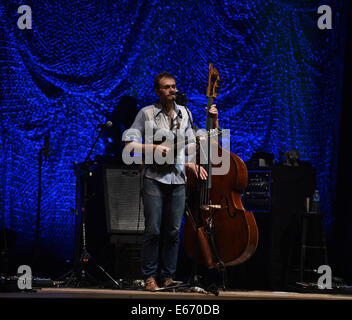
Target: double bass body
218,230
233,231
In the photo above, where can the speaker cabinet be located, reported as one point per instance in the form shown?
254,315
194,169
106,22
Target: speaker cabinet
123,202
278,226
115,218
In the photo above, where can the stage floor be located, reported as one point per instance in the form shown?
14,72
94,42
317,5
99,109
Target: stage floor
81,293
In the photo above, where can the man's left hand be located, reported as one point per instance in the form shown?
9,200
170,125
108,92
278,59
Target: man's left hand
213,111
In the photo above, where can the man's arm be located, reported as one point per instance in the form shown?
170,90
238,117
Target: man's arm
147,147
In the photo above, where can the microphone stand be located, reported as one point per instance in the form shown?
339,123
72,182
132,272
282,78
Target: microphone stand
4,263
42,152
79,273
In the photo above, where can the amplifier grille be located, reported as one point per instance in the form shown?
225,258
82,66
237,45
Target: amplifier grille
123,203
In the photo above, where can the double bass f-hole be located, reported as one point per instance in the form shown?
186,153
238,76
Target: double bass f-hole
230,215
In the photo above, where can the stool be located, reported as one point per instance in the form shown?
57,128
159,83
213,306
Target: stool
306,216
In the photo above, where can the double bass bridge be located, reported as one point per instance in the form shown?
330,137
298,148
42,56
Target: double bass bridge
209,207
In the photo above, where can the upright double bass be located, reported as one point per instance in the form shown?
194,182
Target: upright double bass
218,231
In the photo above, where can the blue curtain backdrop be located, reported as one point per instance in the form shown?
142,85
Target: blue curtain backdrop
281,88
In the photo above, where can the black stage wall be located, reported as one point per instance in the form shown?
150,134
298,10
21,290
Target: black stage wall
340,238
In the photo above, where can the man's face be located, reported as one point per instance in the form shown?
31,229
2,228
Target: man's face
166,87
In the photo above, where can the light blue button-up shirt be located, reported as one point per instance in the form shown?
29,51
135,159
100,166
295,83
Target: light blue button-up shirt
150,120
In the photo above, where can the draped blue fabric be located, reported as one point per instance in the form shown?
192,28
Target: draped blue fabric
280,87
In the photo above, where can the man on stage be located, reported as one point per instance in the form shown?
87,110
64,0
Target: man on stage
164,186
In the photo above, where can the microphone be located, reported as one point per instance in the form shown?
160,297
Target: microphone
176,93
106,124
181,98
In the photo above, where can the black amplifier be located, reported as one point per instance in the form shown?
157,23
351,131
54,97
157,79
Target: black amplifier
257,195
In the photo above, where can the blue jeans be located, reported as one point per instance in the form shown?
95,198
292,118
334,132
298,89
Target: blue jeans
164,206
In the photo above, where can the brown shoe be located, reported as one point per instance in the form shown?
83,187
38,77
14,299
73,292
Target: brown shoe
150,284
168,282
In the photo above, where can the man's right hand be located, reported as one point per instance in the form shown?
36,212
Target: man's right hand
161,149
195,167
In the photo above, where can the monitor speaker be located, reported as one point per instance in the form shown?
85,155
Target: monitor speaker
115,219
123,201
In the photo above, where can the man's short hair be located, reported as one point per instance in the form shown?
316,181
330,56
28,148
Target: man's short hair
163,74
